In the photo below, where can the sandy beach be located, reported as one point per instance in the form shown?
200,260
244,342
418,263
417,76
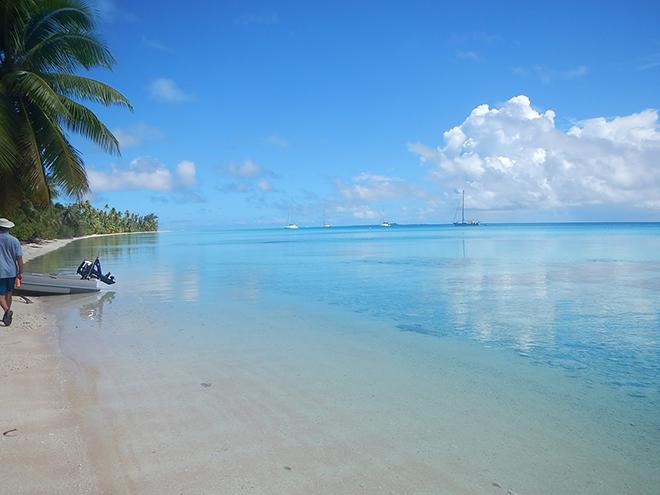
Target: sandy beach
41,449
41,446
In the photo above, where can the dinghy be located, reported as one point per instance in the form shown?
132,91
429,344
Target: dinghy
44,284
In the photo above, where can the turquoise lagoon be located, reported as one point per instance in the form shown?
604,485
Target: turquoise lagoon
410,359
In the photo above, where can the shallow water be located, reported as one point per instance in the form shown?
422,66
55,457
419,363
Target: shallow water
557,326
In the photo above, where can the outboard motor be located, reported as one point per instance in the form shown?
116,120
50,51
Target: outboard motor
92,269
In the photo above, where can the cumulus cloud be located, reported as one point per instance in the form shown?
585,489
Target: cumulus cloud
136,135
249,177
246,169
514,157
163,89
373,187
264,185
186,173
144,173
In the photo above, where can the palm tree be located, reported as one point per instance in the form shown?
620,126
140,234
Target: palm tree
43,43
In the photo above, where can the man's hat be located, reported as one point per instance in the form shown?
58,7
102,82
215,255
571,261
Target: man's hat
4,223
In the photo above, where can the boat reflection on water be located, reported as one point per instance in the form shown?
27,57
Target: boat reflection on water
93,309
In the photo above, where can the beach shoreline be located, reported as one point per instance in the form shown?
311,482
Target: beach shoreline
32,250
39,424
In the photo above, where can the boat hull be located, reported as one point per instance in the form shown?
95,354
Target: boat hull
40,284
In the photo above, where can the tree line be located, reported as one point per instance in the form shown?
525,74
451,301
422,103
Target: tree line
60,221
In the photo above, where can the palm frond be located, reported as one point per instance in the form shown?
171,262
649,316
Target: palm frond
82,120
35,90
58,15
61,159
31,158
14,15
67,52
85,88
8,151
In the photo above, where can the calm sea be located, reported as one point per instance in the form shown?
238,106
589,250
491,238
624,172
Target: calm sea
563,313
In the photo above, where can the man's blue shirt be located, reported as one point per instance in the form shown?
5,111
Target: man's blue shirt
10,248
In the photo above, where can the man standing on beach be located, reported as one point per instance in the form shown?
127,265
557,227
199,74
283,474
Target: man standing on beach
11,267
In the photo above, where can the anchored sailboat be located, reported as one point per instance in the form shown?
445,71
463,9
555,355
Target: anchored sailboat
463,223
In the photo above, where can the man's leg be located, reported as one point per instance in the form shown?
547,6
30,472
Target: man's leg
6,286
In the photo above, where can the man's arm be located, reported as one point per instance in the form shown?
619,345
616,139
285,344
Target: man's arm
19,262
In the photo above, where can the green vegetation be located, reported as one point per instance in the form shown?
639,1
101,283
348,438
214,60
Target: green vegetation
43,43
58,221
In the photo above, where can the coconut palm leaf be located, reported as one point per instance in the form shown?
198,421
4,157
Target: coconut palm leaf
55,15
88,89
68,51
31,165
43,46
36,91
61,161
82,120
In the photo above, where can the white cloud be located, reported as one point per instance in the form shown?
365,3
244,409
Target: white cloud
513,157
186,173
264,185
361,212
144,173
136,135
372,187
250,178
167,90
246,169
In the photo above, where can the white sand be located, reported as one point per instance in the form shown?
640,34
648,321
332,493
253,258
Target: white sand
42,449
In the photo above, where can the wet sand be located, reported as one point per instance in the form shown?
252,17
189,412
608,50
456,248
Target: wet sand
42,449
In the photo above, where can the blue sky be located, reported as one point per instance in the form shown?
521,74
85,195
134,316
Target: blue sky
251,113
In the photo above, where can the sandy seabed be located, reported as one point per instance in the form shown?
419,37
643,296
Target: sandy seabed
295,412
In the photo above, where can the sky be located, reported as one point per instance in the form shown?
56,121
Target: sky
250,114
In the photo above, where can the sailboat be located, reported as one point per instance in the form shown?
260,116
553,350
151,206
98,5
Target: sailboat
385,223
463,223
325,223
290,225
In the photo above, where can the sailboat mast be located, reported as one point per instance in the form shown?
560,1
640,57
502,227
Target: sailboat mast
463,208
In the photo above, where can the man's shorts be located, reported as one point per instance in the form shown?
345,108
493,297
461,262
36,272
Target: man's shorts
7,285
